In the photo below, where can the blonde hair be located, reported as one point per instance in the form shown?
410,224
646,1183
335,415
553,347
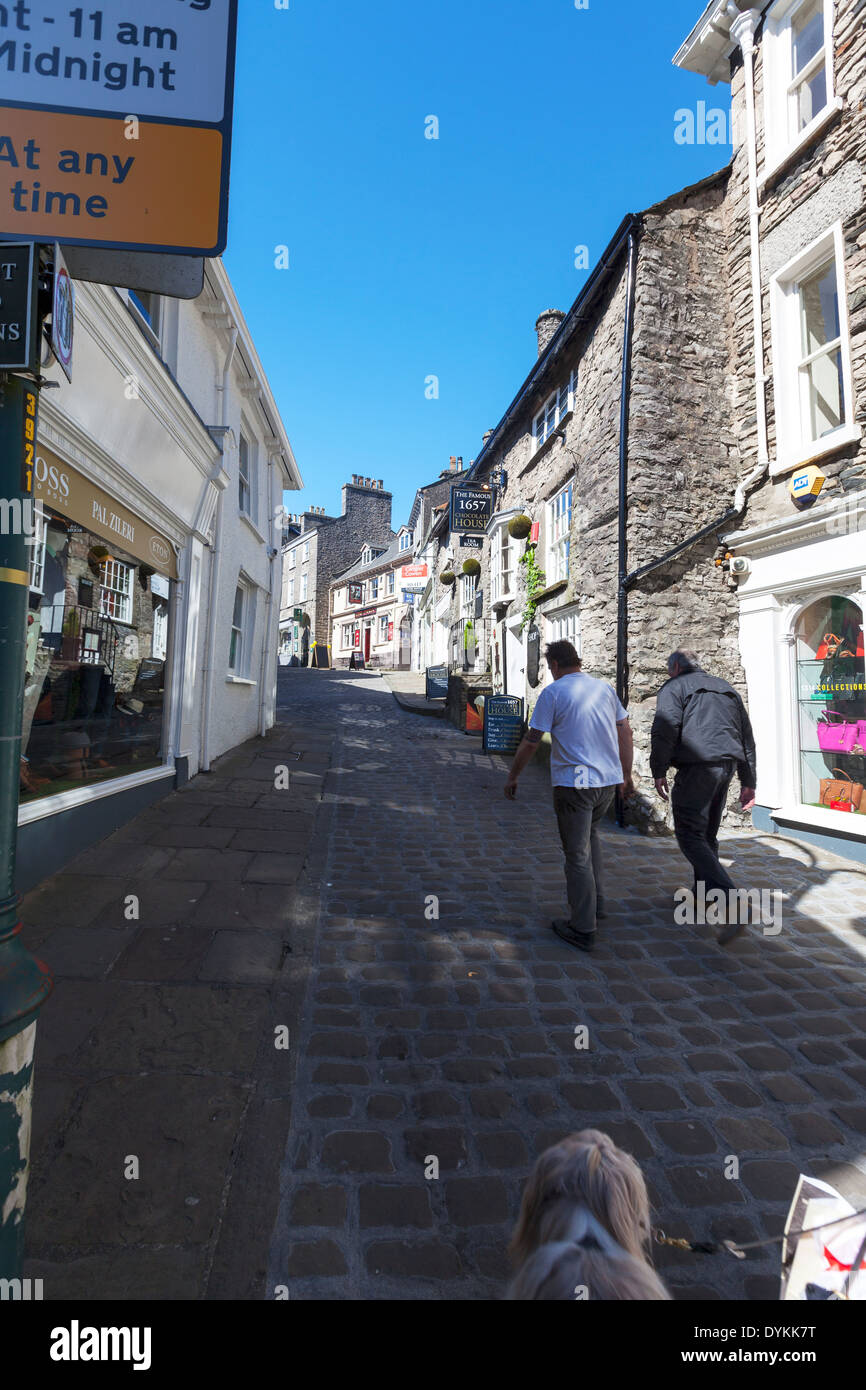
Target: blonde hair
584,1222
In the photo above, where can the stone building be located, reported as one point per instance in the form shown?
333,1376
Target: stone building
616,451
321,548
797,282
370,610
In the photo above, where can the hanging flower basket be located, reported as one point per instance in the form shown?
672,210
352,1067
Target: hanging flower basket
519,527
472,566
448,577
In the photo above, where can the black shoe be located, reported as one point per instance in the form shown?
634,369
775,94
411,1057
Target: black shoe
583,940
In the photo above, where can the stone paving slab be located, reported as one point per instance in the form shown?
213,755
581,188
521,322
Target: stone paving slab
725,1072
158,1043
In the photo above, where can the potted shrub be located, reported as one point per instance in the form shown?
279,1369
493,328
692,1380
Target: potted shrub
448,577
520,526
472,565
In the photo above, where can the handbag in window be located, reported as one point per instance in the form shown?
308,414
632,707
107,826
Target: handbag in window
836,734
841,793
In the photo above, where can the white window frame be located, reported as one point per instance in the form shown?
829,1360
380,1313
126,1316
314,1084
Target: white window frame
780,138
366,555
292,559
389,587
468,587
110,570
374,586
563,625
306,552
558,535
557,407
245,629
290,593
303,591
245,475
151,321
36,544
406,540
793,448
501,542
384,619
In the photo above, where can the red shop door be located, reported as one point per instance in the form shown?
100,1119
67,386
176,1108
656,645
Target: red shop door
367,635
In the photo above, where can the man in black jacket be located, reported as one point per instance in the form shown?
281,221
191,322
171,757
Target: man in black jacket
702,729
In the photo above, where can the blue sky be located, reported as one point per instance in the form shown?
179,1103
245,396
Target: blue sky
411,257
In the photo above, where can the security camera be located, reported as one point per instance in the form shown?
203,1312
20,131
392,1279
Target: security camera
272,552
741,566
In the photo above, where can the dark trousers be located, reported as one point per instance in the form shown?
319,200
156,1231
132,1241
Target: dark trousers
698,799
578,811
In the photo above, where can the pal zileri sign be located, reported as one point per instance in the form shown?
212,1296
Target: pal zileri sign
115,123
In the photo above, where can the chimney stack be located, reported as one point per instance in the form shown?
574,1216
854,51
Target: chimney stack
546,325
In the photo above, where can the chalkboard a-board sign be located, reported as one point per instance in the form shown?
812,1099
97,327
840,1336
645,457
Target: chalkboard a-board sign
437,683
503,724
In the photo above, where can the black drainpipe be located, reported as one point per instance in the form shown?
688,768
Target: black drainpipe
625,392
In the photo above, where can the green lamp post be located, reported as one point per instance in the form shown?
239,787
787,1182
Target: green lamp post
25,982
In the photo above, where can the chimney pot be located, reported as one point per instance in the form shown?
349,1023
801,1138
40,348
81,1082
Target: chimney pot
546,325
381,484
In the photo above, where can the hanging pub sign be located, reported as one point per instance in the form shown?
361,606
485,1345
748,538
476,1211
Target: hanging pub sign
356,593
471,509
19,336
533,655
436,683
503,724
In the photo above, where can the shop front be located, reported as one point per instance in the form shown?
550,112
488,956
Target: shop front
99,624
802,610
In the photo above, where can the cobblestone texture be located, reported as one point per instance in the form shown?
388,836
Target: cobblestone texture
461,1044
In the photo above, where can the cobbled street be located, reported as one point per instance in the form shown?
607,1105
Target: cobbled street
726,1072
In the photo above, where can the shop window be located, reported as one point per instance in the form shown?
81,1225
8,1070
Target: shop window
558,536
831,699
798,64
383,628
811,354
95,663
115,595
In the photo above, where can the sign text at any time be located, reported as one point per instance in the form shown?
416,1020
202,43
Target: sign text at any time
115,122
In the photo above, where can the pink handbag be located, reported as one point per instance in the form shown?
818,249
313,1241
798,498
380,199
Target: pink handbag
839,737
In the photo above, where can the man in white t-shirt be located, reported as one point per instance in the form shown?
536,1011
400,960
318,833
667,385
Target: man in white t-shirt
591,755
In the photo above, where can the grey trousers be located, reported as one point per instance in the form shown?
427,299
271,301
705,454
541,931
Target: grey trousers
578,811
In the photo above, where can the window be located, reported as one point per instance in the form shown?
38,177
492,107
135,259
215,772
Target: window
244,478
115,598
564,626
366,555
798,59
148,309
291,559
374,587
383,627
304,579
554,411
468,585
306,555
406,540
558,536
390,584
502,565
831,700
812,355
290,597
36,542
350,636
237,634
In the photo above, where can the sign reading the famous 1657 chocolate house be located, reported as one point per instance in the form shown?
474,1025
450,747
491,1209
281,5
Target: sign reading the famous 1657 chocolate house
471,509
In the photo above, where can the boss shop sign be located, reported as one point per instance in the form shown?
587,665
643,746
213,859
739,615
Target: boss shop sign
115,122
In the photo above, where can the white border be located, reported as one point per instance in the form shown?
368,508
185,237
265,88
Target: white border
67,801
